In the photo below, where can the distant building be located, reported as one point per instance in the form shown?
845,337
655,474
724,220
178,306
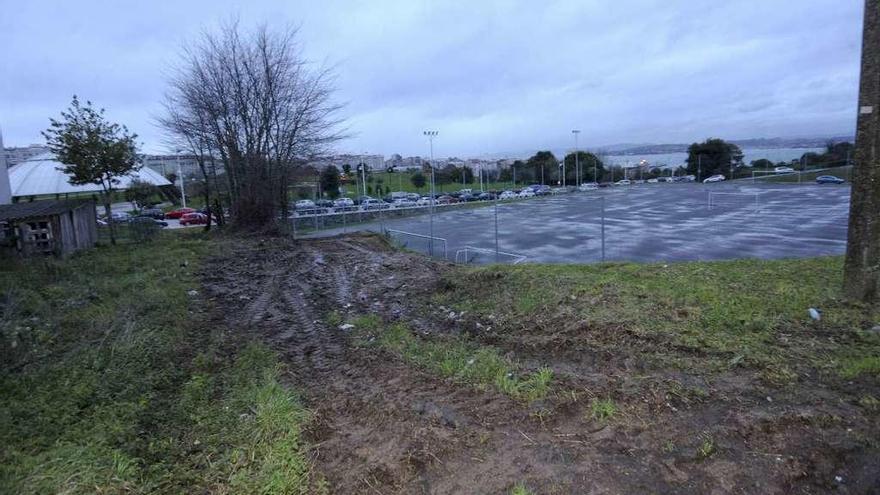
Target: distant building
167,164
5,190
16,155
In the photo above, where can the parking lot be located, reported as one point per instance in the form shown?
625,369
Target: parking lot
649,222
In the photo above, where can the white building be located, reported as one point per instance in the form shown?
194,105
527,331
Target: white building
42,176
5,190
16,155
167,164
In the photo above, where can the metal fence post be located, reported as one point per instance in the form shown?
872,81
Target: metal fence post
603,229
496,228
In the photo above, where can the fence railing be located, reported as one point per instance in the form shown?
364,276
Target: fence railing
466,255
429,238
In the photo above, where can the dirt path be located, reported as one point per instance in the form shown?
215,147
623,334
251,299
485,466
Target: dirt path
383,426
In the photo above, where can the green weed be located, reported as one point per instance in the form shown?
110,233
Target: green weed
602,409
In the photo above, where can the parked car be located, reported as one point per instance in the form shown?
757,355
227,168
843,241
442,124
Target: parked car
413,197
180,212
653,181
541,190
446,200
425,201
153,213
466,197
783,170
623,182
343,203
194,219
829,179
324,203
486,196
403,203
714,178
689,178
374,204
119,217
526,193
588,186
507,195
147,220
305,204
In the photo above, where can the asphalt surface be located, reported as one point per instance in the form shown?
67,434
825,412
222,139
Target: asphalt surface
651,222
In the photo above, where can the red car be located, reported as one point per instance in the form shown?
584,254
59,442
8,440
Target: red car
194,219
179,213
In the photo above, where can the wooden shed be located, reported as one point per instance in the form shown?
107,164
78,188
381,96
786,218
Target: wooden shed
48,227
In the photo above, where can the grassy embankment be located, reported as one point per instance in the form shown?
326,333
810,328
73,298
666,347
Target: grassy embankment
113,382
702,316
808,177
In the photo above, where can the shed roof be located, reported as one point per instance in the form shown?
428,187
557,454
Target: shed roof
18,211
41,175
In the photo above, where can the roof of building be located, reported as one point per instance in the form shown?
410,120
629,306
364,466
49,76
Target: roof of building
17,211
41,175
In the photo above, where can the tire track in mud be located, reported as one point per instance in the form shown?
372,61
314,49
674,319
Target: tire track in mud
382,424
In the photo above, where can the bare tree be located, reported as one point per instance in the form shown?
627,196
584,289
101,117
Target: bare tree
250,100
862,267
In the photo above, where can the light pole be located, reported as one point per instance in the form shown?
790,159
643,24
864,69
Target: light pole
699,166
577,163
431,135
177,153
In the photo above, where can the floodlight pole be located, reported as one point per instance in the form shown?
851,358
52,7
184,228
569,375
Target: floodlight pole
577,164
431,135
180,174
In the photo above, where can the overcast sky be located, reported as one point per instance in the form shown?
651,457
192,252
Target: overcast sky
490,76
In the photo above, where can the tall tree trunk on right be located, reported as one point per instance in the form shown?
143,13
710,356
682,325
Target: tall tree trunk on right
862,267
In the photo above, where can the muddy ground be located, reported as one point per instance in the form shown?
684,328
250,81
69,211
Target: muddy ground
384,426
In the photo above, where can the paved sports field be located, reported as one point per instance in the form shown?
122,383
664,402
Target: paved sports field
662,222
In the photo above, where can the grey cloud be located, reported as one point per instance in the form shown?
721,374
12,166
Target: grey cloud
490,75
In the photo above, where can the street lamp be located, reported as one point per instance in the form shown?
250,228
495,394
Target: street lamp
431,135
577,163
177,153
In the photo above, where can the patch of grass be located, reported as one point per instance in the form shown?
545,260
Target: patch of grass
334,319
714,316
853,367
603,409
870,403
456,358
110,383
520,489
707,447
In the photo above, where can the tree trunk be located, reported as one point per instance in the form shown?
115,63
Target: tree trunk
862,266
110,223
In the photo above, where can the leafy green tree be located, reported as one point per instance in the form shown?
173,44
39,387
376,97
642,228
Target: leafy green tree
418,180
139,192
346,169
93,150
762,163
330,181
591,167
541,167
713,156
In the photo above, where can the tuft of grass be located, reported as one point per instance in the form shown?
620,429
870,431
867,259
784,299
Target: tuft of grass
520,489
853,367
458,359
707,447
603,409
333,319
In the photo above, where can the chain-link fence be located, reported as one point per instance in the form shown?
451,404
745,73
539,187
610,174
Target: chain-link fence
650,222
